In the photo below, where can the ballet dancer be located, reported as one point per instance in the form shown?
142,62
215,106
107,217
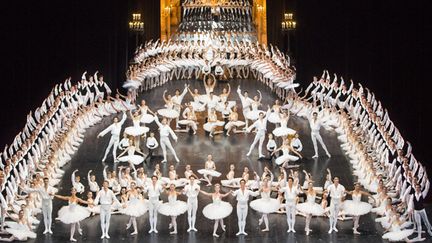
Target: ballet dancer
151,144
315,125
310,207
73,213
417,209
106,199
356,207
192,190
177,100
173,207
242,195
164,132
209,170
336,192
290,192
246,104
190,119
134,207
265,204
153,191
218,209
47,193
115,130
261,127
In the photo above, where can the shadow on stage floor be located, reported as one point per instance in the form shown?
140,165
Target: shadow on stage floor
225,150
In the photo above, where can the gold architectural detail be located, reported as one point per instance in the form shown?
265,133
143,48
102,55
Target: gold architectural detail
259,13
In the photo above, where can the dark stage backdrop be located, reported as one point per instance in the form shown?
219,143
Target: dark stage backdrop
383,44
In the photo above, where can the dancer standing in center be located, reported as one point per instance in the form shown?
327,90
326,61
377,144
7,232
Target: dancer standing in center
261,127
192,190
336,192
242,195
218,209
164,132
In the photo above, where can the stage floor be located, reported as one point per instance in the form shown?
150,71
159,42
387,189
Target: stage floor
193,149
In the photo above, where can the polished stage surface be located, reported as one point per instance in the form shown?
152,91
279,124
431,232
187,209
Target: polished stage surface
193,150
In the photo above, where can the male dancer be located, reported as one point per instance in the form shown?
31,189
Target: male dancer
177,99
46,192
290,192
164,132
242,196
261,126
246,104
315,126
153,191
336,191
416,207
192,190
115,130
106,198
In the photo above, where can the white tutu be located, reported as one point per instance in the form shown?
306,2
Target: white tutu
134,159
146,118
398,235
356,208
134,208
235,123
136,131
217,210
72,213
265,205
274,117
210,125
131,84
168,113
285,158
232,182
173,208
310,208
198,107
94,209
209,172
283,131
254,114
19,231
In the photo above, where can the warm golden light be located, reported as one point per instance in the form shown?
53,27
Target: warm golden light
288,22
136,24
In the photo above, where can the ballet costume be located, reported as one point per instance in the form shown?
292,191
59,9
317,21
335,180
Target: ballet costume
310,208
73,214
265,205
173,208
131,157
356,208
285,157
134,208
397,233
136,131
217,211
274,116
208,173
253,114
283,130
145,117
169,112
19,231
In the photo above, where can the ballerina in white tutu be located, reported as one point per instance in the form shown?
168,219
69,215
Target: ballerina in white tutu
286,156
73,213
173,207
209,170
94,209
231,181
356,207
224,97
212,123
19,230
169,112
396,231
136,131
265,204
174,178
274,116
190,119
310,207
144,110
132,158
218,209
198,102
233,122
134,207
283,130
254,113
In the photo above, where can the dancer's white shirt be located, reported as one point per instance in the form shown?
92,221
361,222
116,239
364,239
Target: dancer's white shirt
290,193
154,191
336,193
114,128
192,191
105,197
243,196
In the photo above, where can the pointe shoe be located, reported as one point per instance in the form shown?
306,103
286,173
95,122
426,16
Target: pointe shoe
315,156
49,231
194,229
45,232
134,233
356,232
189,230
173,232
265,230
215,235
261,156
330,230
329,155
335,229
72,239
150,231
260,221
248,154
155,230
103,236
293,230
307,232
107,236
244,233
128,226
170,226
163,161
238,233
224,228
80,231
